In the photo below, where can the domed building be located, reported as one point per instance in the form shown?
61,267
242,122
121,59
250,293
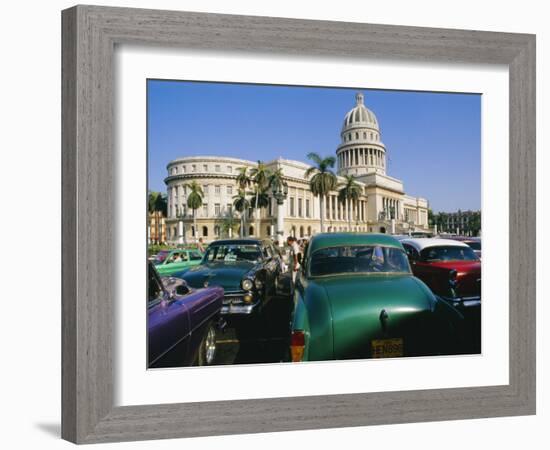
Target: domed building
382,207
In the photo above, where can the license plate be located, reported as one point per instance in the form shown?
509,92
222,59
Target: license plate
387,348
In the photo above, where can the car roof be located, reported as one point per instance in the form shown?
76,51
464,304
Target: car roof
238,241
326,240
422,243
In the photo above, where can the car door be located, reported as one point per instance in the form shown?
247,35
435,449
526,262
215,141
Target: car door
168,326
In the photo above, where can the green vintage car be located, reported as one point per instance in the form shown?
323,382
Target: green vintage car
356,298
176,261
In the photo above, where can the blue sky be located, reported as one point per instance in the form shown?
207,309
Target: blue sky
433,140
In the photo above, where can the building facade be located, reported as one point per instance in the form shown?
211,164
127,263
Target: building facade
459,222
156,228
382,207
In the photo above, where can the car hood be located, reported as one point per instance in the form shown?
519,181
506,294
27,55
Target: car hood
357,303
225,274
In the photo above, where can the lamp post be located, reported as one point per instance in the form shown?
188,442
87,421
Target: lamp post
280,193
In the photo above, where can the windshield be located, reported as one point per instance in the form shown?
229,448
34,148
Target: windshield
358,259
448,253
233,252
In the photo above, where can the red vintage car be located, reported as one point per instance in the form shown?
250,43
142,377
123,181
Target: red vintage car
452,270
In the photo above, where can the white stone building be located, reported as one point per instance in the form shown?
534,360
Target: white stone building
383,207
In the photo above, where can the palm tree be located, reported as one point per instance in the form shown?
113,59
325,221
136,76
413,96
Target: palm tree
323,180
157,201
260,198
228,223
351,191
276,179
243,181
194,201
241,204
260,177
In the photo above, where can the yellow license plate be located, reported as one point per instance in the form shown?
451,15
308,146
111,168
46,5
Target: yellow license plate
387,348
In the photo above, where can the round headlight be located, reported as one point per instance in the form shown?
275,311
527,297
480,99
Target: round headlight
247,284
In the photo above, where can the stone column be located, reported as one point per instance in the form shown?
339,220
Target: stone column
180,232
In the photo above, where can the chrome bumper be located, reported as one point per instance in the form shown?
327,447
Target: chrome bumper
233,303
466,302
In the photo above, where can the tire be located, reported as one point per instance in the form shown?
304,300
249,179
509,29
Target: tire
207,349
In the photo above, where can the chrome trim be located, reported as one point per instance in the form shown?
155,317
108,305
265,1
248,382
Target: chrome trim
239,309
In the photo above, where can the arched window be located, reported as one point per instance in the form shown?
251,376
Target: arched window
251,231
217,230
364,135
268,231
356,135
293,231
301,232
309,231
205,231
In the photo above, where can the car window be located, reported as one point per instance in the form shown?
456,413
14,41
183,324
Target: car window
358,259
448,253
233,253
194,256
411,251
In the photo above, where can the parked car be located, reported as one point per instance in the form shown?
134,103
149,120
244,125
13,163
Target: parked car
473,242
181,322
452,270
247,269
177,261
438,261
356,297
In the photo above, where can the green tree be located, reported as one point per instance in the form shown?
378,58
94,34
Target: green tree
474,224
322,181
157,201
349,190
194,201
276,179
241,204
243,181
228,223
259,176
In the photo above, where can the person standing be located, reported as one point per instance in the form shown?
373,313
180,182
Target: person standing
200,246
294,259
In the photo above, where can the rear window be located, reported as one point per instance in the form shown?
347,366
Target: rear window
448,253
365,259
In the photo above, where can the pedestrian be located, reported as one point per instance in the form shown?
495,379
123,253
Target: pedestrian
200,246
294,259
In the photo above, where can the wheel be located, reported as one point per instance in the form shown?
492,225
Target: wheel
207,349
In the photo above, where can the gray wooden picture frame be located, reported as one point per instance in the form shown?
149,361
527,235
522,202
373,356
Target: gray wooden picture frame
90,34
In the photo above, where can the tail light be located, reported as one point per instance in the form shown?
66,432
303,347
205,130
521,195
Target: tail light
297,344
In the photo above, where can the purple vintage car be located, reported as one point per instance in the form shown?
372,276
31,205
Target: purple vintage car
181,322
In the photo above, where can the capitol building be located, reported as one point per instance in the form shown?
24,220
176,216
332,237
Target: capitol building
382,207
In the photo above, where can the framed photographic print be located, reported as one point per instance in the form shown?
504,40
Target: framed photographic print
282,225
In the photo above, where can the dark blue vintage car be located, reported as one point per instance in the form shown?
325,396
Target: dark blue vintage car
181,322
247,269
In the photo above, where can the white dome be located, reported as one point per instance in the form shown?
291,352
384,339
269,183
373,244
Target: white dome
360,116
